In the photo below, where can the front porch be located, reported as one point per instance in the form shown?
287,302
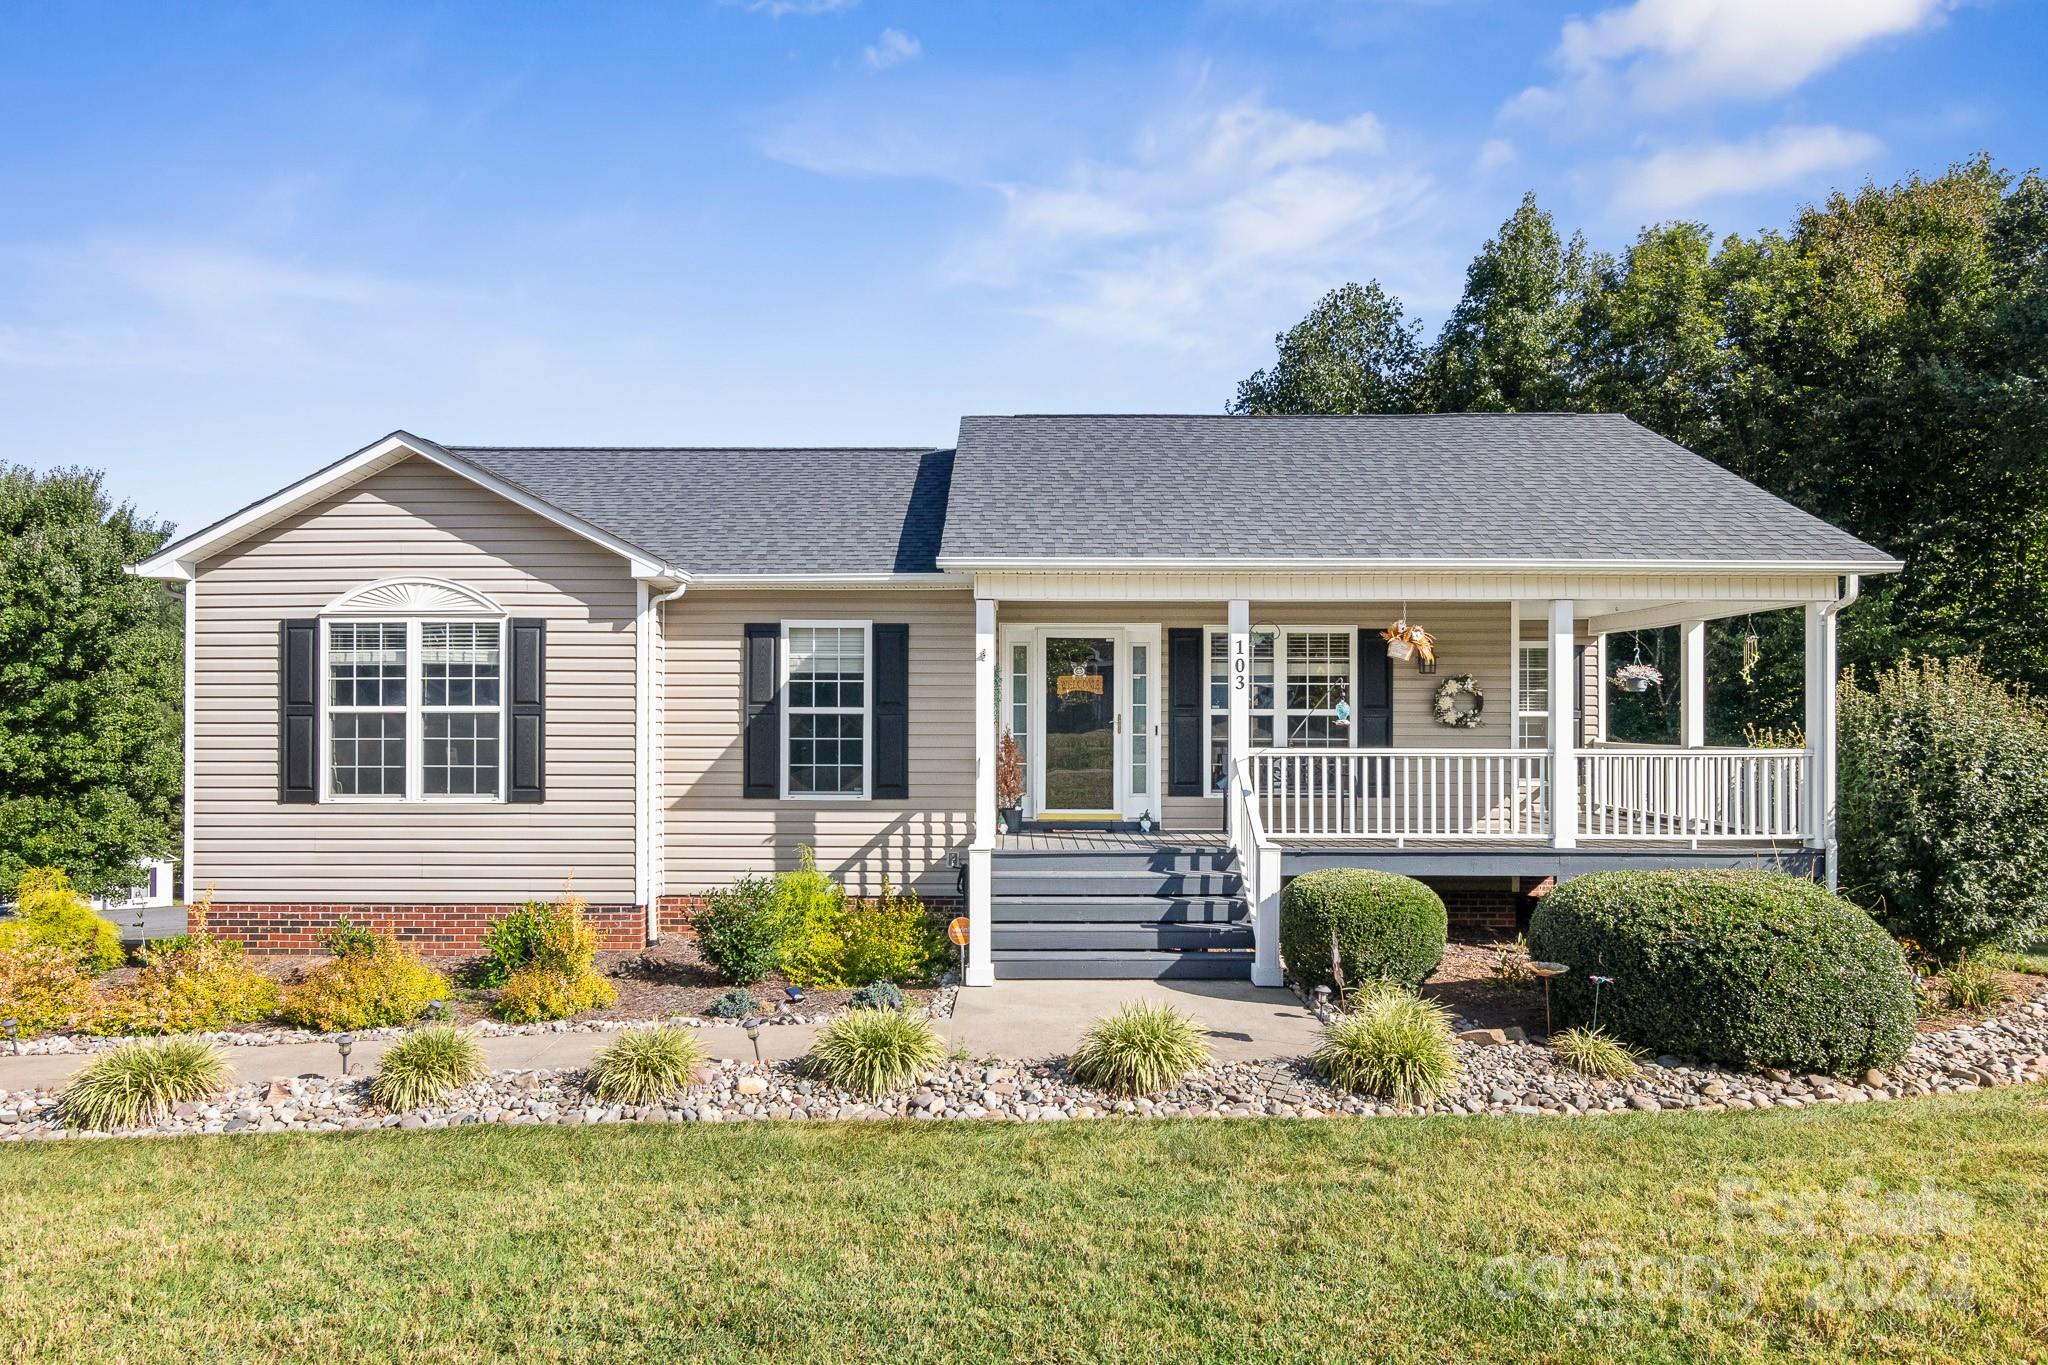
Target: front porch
1264,737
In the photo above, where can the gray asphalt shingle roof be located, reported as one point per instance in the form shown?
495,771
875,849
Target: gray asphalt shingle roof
749,511
1456,487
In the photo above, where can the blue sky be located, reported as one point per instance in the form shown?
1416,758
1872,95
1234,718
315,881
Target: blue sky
241,241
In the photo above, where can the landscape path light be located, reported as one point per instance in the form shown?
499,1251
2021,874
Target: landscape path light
13,1027
343,1042
753,1030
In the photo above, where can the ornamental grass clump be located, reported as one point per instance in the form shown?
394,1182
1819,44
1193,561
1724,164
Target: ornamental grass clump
1971,985
1395,1046
372,981
426,1066
1141,1049
872,1052
1592,1053
139,1083
48,913
646,1065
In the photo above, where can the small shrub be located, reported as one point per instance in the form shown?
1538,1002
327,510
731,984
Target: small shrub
878,995
1591,1052
139,1083
43,989
1943,820
1395,1046
872,1052
378,986
1971,985
560,978
191,984
1385,927
1511,962
812,911
425,1066
1749,968
644,1065
48,912
512,942
741,928
347,939
736,1003
892,938
1141,1049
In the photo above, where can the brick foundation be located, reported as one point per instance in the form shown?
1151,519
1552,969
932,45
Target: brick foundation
676,915
1483,909
436,930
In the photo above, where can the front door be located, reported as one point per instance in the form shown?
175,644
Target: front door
1081,726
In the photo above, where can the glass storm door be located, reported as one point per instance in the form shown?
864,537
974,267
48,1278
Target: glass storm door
1080,724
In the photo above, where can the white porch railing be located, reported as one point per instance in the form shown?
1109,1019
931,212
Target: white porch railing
1647,792
1401,793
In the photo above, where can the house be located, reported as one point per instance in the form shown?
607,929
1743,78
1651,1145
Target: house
428,682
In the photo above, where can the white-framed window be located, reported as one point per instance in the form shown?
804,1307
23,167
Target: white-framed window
1532,696
1020,704
1318,676
413,710
826,668
1141,719
1298,676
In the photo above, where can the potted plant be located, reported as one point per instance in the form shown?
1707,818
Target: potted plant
1638,676
1010,783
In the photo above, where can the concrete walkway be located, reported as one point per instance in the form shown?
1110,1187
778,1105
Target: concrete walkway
1017,1020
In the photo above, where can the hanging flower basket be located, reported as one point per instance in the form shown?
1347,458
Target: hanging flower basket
1406,642
1449,713
1637,677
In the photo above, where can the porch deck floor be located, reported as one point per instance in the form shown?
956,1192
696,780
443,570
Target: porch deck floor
1130,841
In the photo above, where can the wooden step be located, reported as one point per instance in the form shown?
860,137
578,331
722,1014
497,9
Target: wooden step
1009,881
1004,909
1165,858
1030,964
1096,939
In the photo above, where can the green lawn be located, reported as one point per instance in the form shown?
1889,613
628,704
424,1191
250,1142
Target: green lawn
1207,1240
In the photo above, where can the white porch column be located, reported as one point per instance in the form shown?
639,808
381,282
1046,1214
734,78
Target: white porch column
1820,729
1564,739
981,969
1692,679
1240,720
1265,884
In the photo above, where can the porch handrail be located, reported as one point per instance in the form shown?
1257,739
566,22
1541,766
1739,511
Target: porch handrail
1692,794
1258,862
1398,794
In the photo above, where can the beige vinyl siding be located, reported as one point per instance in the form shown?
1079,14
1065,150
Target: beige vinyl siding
415,520
715,834
1472,637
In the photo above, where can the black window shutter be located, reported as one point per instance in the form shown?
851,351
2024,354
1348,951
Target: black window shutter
528,717
298,712
892,713
1374,705
1187,743
763,706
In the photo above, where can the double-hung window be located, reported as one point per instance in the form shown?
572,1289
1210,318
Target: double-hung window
1532,696
825,724
1219,701
415,710
1297,679
1318,677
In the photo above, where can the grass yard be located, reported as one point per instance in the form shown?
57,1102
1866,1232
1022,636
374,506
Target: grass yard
1487,1239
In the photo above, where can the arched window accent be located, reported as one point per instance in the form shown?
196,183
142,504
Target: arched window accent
412,693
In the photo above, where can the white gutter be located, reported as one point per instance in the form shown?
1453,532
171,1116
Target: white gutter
653,770
1200,563
1831,847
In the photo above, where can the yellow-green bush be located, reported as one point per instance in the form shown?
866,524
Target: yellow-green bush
835,940
562,978
188,985
377,982
49,912
43,989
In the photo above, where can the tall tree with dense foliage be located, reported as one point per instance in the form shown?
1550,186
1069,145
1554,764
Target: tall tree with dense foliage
1357,351
90,685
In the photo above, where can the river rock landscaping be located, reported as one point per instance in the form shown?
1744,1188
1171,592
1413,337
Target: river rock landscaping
1508,1078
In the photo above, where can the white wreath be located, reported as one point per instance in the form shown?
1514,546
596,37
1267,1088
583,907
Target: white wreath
1447,694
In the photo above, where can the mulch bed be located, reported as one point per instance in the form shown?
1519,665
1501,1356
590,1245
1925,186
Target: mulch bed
1464,983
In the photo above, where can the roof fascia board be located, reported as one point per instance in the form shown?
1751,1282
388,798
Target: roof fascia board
1196,564
833,580
176,561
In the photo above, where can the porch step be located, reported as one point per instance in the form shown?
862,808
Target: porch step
1031,882
1098,939
1072,909
1030,964
1164,859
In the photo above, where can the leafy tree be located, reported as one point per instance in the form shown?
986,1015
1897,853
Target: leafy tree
1357,351
90,685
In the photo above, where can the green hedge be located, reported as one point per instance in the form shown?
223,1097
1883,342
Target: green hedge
1387,927
1751,968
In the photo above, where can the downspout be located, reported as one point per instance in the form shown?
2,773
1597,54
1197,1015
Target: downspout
656,766
1843,601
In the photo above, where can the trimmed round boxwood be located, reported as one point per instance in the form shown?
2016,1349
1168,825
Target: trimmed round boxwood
1386,927
1751,968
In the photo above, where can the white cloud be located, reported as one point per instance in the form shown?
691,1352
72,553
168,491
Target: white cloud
1677,178
1661,54
891,49
1494,153
776,9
